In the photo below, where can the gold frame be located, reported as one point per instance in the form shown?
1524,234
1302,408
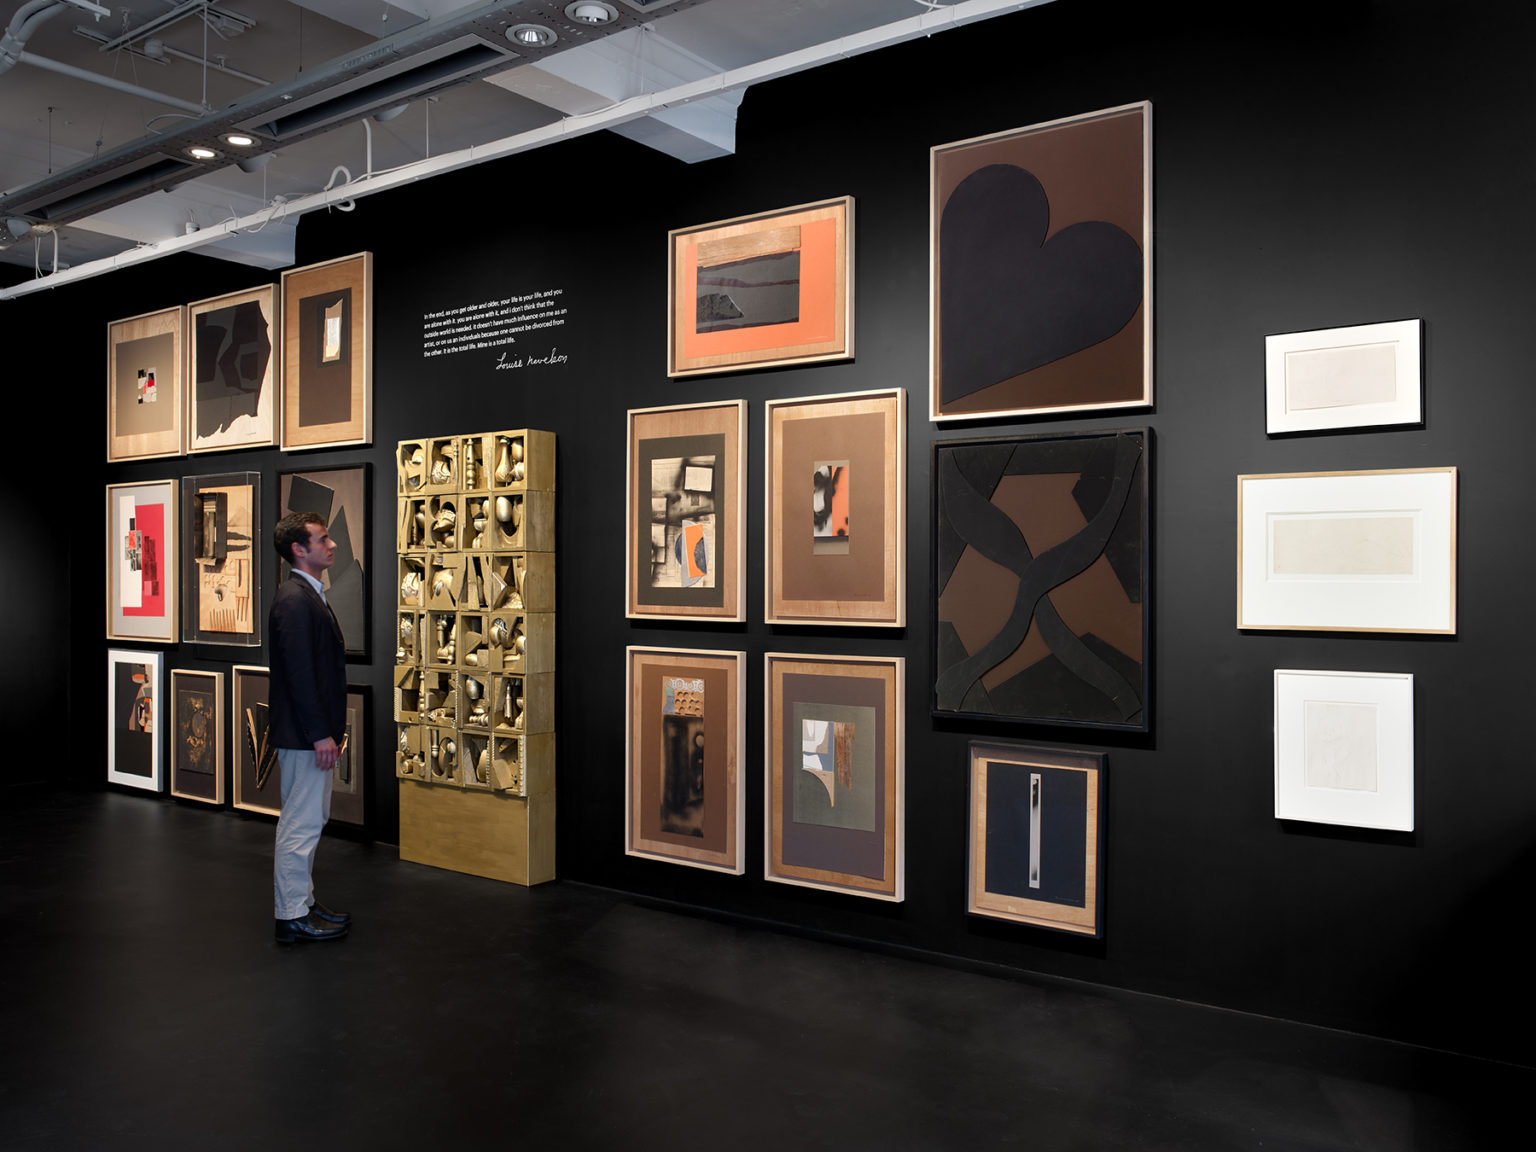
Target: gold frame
354,273
177,675
272,384
167,442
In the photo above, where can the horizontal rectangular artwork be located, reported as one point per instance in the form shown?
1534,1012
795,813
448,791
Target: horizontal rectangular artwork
1036,837
1344,748
142,562
685,717
1348,551
1041,575
135,715
1359,377
197,735
833,773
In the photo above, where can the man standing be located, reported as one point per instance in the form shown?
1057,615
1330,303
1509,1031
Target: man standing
307,707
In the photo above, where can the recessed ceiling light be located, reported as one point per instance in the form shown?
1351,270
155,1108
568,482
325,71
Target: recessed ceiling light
238,140
591,12
201,153
530,35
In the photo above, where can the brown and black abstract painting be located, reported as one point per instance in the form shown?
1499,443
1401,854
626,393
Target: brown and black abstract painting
1041,571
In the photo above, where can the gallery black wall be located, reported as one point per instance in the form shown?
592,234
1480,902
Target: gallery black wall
1353,164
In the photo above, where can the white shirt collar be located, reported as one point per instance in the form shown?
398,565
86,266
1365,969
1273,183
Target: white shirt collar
315,584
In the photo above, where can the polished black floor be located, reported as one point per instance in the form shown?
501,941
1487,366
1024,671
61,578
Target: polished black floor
146,1006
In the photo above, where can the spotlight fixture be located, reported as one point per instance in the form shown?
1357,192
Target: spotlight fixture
386,114
530,35
253,163
238,140
17,227
198,152
591,12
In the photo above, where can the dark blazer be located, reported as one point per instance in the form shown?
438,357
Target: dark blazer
307,698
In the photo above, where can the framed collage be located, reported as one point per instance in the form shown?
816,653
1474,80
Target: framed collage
197,735
142,565
258,781
135,713
235,371
146,373
340,497
327,323
221,562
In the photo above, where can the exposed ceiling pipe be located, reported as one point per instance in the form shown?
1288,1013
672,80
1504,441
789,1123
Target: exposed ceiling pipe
28,19
111,82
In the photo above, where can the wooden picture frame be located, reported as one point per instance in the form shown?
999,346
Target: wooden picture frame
142,564
135,717
341,497
1371,551
847,714
197,735
1365,376
1344,748
234,371
835,536
1041,578
686,512
224,547
146,385
258,778
349,784
327,318
761,291
685,716
1025,325
1036,843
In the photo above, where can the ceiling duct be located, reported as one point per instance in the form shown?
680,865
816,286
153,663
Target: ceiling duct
96,191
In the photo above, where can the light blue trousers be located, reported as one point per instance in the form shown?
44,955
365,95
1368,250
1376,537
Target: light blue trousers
306,808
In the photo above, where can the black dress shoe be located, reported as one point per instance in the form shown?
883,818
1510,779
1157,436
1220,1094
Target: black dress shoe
329,915
308,928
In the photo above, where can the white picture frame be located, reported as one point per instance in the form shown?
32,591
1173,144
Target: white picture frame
1364,376
1370,551
1344,748
135,718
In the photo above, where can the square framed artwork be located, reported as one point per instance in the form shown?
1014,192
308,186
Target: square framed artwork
258,780
327,318
1348,551
134,717
835,528
1041,563
833,768
197,735
340,496
760,291
235,370
146,397
685,715
1366,376
221,559
1036,844
142,570
1344,748
350,779
1041,291
686,517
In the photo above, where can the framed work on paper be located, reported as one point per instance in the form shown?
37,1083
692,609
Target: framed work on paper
258,780
339,496
146,404
685,712
1041,562
327,314
234,371
221,560
687,544
197,735
134,715
1036,837
1042,268
833,773
1348,551
1367,376
1344,748
141,561
760,291
348,784
835,549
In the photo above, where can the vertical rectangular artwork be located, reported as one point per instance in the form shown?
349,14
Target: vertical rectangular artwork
684,801
221,562
258,779
327,320
350,778
1041,575
142,563
1042,268
835,529
833,773
197,735
135,713
1036,837
235,371
146,400
687,479
339,496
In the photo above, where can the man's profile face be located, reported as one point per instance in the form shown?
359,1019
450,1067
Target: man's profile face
319,553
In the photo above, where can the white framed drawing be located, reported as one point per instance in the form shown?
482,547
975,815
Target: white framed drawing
1365,376
135,711
1348,551
1344,748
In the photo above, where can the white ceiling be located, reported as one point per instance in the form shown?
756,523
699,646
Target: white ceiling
54,125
